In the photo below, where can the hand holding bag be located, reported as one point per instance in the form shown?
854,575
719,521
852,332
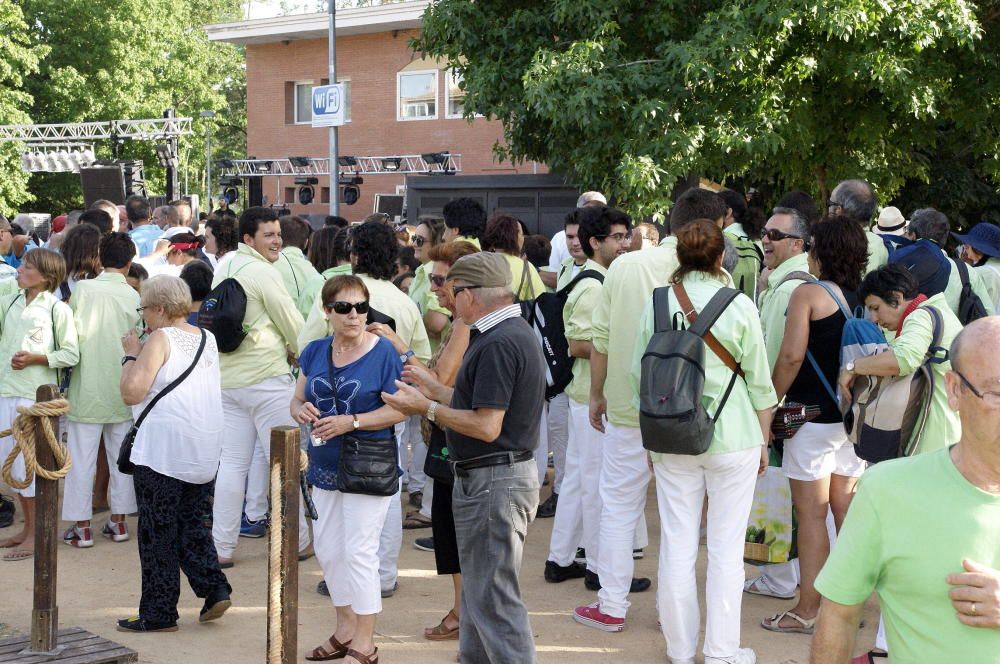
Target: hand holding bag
124,462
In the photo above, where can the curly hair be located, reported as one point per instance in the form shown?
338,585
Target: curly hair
376,250
81,249
840,247
501,234
700,244
449,252
226,233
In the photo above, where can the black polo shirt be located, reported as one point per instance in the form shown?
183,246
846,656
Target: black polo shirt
503,368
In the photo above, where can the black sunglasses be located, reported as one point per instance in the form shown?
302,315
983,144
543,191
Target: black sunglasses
344,308
438,280
419,241
774,235
458,289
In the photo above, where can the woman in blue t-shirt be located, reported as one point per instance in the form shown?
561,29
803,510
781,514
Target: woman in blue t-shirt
346,535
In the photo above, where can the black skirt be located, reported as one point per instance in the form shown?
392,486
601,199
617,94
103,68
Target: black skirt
443,529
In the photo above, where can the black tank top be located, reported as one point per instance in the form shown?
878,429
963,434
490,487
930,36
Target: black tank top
824,344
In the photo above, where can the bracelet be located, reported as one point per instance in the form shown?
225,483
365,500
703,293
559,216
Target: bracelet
128,358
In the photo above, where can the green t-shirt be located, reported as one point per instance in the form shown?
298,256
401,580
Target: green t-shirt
578,315
910,525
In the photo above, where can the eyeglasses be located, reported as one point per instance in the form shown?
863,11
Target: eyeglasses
834,204
419,241
991,399
617,237
141,309
459,289
438,280
774,235
344,308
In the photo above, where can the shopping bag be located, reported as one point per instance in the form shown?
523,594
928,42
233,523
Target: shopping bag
770,535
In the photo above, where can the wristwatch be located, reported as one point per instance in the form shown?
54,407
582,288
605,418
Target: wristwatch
357,422
849,367
405,356
432,411
128,358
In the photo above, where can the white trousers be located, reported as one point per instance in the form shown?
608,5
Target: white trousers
413,452
553,435
257,480
391,537
347,542
84,440
249,413
8,413
623,481
578,519
681,485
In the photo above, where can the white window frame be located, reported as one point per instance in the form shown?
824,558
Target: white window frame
295,102
399,82
447,97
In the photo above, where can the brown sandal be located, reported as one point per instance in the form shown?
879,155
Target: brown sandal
321,654
442,632
364,659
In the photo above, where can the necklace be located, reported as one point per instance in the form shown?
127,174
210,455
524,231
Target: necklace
347,349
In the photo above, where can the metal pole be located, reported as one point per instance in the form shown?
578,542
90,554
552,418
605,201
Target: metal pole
334,167
208,158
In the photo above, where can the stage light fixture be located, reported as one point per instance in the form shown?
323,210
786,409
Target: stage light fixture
231,195
347,161
436,157
225,163
350,194
26,162
306,195
65,161
391,163
301,162
52,163
262,166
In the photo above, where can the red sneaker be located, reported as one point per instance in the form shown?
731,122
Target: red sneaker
591,616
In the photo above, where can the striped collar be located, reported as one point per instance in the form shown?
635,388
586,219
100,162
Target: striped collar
491,320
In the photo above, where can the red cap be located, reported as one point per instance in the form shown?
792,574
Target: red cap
59,223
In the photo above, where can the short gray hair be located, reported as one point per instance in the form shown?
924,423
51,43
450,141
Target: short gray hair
930,224
857,198
800,225
171,293
494,295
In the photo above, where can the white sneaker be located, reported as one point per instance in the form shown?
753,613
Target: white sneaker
742,656
117,531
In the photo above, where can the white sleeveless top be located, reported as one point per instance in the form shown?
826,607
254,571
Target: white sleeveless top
181,435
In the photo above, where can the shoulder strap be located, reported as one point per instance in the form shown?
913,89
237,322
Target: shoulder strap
291,268
177,381
9,307
963,272
819,372
932,351
702,324
661,309
798,275
585,274
843,307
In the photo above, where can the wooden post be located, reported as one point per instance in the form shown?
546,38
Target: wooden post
283,558
45,613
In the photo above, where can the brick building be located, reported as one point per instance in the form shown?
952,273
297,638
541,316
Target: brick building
400,104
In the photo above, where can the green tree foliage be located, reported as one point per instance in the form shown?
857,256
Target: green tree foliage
132,59
628,95
17,62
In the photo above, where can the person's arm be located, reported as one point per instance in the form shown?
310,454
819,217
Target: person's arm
316,326
794,342
302,410
482,424
451,357
764,418
600,326
138,374
976,595
281,309
836,630
338,425
580,348
548,278
578,317
435,322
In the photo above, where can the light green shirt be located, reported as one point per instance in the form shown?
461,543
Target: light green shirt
735,230
387,299
943,425
272,321
40,327
300,277
774,304
104,309
627,290
989,277
878,255
314,288
738,330
567,271
8,285
578,313
426,300
525,282
911,523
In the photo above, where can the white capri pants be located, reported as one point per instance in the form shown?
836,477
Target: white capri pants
84,440
8,411
347,537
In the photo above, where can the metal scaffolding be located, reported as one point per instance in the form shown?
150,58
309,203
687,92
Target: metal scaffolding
439,163
44,135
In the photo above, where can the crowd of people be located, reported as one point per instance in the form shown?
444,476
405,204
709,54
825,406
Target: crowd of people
410,358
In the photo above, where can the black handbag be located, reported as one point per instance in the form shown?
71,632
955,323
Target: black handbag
436,465
124,462
366,466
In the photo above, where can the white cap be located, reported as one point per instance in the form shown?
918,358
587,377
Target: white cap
588,196
890,222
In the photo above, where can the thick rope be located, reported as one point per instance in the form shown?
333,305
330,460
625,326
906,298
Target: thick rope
32,419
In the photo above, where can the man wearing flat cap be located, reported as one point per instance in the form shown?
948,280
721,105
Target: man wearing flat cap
491,417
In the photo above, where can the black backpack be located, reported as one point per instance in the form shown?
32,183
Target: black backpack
222,313
970,306
545,315
672,417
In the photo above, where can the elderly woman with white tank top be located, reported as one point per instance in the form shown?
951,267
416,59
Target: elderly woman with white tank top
176,455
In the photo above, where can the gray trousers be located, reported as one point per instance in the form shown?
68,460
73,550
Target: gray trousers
493,507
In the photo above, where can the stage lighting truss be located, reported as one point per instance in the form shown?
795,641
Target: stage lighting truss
57,158
444,163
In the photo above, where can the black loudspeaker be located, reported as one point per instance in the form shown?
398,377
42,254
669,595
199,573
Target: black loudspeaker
104,182
390,204
135,183
255,191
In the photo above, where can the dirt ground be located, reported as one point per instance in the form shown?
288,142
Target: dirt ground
99,585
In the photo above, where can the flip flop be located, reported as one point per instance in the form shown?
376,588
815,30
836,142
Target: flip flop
19,554
773,623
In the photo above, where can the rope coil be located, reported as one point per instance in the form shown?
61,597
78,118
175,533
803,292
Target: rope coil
31,421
